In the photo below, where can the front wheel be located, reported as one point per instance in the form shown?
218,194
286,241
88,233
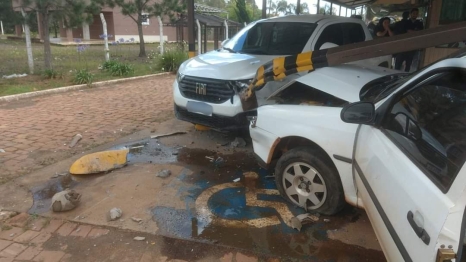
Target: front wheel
306,180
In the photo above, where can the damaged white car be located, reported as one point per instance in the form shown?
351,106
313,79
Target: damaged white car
403,164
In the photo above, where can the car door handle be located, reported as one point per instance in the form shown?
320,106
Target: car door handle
420,232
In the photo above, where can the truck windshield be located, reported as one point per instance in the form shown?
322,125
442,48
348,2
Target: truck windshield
269,38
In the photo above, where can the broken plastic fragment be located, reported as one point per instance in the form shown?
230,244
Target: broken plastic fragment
99,162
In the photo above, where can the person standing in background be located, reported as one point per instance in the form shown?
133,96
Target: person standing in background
383,28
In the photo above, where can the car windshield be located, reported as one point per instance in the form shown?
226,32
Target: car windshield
380,88
269,38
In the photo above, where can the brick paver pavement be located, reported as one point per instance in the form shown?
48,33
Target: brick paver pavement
33,132
110,244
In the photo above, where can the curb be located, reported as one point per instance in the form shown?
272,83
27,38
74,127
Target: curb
73,88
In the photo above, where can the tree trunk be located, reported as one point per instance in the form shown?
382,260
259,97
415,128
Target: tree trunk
142,47
47,50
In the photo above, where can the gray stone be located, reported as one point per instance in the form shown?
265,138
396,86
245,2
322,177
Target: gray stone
164,173
114,214
238,143
139,238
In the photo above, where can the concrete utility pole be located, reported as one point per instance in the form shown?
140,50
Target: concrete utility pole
191,43
1,24
28,43
298,7
104,25
264,9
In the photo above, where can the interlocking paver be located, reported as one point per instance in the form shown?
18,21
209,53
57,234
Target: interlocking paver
81,231
244,258
53,225
4,244
18,220
49,256
41,238
13,250
29,253
11,233
66,229
43,124
97,232
26,236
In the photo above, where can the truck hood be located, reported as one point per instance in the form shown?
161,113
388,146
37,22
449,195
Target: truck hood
224,65
344,81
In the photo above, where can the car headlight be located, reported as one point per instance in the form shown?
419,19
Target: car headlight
243,83
179,77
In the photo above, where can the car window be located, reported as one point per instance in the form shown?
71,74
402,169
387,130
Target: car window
284,38
429,124
341,34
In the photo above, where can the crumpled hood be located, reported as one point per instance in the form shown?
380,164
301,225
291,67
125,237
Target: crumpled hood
344,81
224,65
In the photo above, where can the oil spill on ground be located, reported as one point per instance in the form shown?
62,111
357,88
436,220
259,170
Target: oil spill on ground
42,195
311,244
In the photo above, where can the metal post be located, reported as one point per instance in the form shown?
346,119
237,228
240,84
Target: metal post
298,7
264,9
199,37
331,7
1,23
346,14
339,12
226,29
318,6
162,40
28,44
191,43
104,25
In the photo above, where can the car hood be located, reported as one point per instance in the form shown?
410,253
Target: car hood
344,81
224,65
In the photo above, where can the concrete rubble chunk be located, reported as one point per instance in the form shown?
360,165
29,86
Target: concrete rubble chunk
75,140
4,215
139,238
136,219
65,200
298,221
164,173
114,214
238,143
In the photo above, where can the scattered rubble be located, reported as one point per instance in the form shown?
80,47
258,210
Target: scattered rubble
75,140
136,219
2,150
298,221
236,180
169,134
14,76
4,215
139,238
65,200
114,214
164,173
238,143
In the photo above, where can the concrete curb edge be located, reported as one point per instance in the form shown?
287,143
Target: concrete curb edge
73,88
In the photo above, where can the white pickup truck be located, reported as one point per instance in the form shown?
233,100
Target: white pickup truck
206,87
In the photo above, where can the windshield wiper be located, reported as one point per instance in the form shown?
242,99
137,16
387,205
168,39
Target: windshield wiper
392,84
229,50
255,51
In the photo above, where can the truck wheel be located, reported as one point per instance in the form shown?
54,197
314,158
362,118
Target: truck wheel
305,179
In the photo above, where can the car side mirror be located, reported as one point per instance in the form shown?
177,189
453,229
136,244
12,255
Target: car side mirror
224,42
414,131
358,113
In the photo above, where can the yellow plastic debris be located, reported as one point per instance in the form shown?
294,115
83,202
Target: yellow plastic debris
201,127
99,162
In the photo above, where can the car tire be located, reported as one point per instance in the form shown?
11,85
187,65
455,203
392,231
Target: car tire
306,179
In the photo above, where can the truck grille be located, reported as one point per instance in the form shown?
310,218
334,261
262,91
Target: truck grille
217,91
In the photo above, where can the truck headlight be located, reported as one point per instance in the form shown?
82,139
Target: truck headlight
179,77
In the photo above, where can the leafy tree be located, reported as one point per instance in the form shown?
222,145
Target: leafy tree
8,16
73,12
242,12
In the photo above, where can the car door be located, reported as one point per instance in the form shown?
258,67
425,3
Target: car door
408,168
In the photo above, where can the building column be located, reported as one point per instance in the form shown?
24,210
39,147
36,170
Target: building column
86,32
40,34
69,34
19,30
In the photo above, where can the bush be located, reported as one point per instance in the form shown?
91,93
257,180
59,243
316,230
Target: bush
83,76
109,64
171,60
120,69
51,74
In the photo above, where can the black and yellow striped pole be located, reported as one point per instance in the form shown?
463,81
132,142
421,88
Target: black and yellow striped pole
191,43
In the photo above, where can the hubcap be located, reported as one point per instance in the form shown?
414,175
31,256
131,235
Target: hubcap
304,185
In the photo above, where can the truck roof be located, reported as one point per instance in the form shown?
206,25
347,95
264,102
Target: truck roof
308,18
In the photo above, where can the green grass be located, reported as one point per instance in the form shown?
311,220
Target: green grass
66,61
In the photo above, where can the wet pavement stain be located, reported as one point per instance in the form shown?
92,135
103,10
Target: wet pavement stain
149,151
229,204
42,195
